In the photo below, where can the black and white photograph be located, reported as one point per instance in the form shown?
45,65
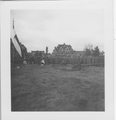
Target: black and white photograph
57,60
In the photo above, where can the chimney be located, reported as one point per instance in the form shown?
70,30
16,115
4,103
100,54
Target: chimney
46,50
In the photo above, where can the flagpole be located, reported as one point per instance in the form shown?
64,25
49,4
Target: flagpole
13,23
13,56
13,48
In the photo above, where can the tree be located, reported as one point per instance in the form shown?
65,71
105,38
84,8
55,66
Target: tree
102,53
88,50
96,52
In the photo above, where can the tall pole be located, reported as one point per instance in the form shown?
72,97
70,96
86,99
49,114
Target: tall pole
46,50
13,23
12,48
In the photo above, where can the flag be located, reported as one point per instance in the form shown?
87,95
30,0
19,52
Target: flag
15,41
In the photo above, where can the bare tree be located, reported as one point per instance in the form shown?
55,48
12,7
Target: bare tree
88,50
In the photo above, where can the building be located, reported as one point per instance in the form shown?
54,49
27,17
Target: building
63,50
37,53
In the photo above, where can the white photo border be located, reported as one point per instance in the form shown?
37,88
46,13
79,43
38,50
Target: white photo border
6,112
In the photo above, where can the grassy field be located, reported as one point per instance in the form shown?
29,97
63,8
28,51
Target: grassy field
57,88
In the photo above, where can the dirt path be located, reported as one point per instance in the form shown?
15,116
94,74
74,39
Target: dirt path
51,88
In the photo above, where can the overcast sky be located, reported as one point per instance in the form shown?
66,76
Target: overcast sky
37,29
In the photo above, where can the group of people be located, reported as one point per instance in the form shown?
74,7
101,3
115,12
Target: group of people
42,60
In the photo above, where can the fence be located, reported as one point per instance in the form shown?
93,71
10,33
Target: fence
84,61
90,61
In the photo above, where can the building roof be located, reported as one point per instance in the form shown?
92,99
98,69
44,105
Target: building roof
62,48
66,50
